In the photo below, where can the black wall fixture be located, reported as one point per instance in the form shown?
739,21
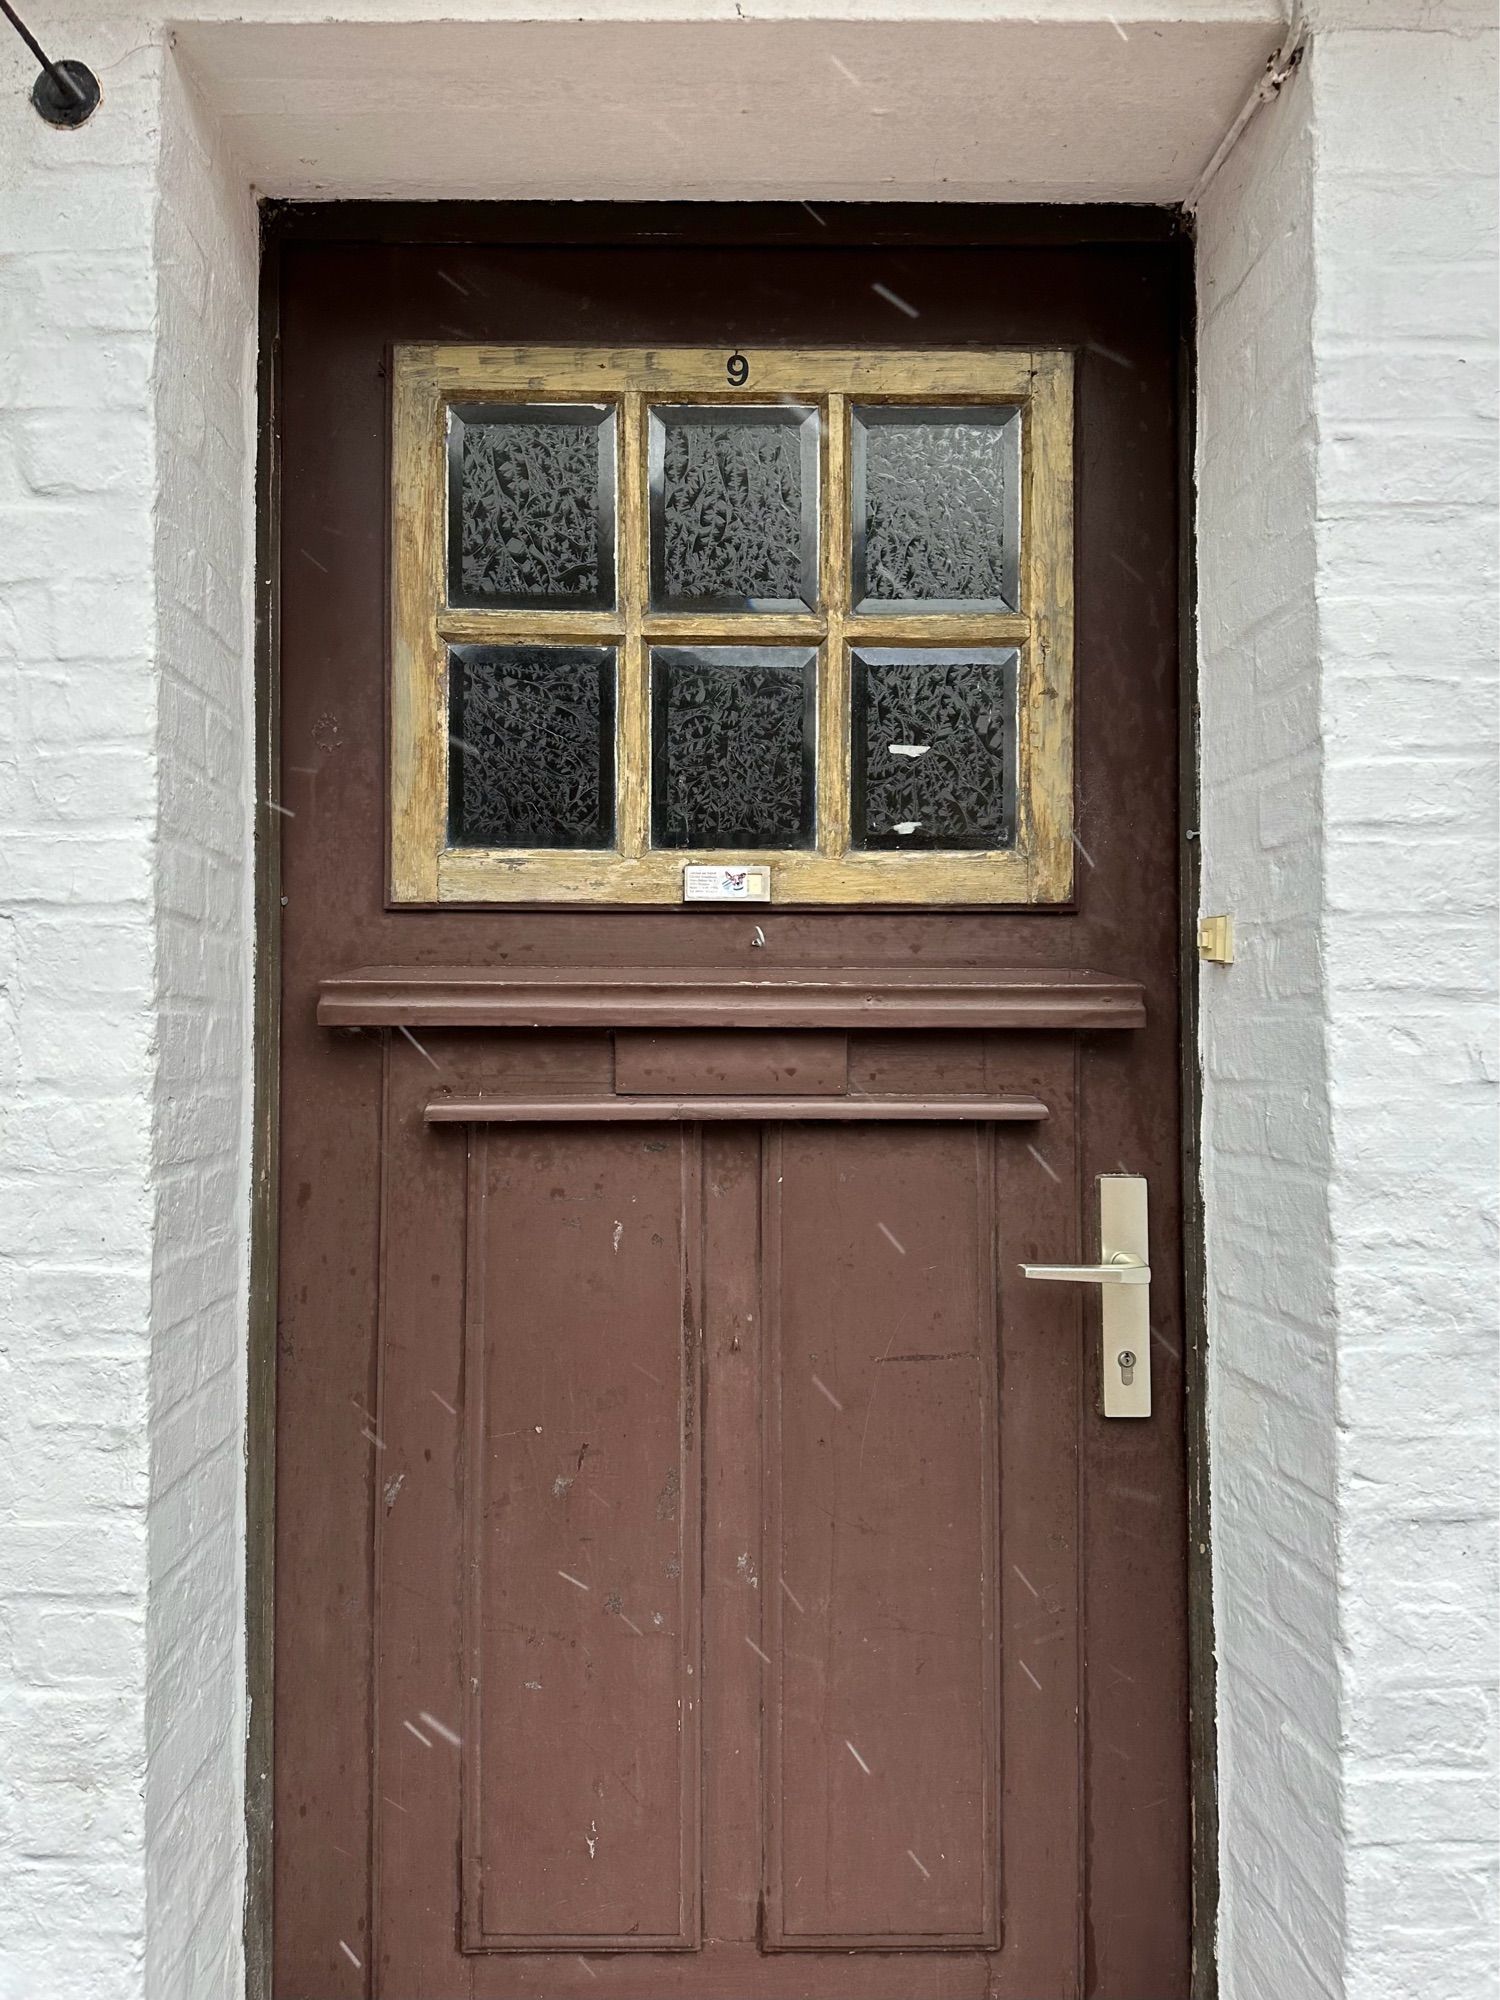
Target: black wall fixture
65,93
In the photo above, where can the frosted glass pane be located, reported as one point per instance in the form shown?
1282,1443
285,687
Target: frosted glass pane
734,511
732,746
531,504
934,749
531,758
937,508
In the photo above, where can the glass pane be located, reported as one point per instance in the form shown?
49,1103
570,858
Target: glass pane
937,509
934,749
734,509
531,506
531,746
732,746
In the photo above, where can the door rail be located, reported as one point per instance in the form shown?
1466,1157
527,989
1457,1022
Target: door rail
680,996
600,1110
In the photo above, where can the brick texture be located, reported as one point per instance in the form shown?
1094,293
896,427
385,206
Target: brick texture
1347,538
126,389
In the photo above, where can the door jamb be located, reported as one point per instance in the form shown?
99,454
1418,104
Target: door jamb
265,1145
619,223
1203,1728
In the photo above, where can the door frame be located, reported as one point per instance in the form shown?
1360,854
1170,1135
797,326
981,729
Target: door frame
892,225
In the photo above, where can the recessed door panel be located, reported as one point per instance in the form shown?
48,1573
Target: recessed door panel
581,1485
881,1365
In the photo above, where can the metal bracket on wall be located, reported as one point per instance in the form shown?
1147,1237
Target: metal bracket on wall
1216,940
66,93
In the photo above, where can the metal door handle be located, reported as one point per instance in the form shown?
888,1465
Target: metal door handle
1120,1270
1124,1273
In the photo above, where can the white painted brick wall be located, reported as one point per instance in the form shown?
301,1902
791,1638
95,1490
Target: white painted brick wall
126,389
1406,346
78,1076
1350,649
204,388
1266,1139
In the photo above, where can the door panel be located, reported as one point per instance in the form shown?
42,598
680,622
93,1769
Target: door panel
881,1364
702,1568
581,1477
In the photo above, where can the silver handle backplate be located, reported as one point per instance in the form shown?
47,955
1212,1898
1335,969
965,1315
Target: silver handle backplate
1124,1275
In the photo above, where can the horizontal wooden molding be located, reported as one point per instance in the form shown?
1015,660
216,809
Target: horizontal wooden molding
666,997
601,1110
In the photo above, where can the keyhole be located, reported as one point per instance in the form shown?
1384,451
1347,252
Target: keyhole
1127,1366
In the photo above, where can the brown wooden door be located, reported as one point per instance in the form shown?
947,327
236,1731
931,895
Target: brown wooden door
702,1567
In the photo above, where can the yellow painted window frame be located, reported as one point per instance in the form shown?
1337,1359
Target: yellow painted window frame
427,379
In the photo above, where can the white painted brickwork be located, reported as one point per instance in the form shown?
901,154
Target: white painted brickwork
204,386
1348,295
1347,540
126,390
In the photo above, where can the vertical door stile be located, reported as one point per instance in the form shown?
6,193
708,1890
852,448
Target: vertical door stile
779,1588
992,1473
472,1483
735,1557
689,1556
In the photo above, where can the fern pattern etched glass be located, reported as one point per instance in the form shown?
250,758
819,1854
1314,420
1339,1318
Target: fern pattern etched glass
531,746
936,508
734,508
934,748
531,506
732,730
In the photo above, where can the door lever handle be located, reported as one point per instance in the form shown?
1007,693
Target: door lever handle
1124,1273
1120,1270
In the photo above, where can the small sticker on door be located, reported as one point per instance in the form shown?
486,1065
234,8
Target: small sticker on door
713,882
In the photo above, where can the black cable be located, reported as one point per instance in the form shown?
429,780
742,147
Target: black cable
59,76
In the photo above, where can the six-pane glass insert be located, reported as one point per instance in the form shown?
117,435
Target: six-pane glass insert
731,509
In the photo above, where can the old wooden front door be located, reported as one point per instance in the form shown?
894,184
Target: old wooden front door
728,804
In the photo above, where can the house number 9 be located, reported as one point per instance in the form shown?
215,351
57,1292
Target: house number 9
737,369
